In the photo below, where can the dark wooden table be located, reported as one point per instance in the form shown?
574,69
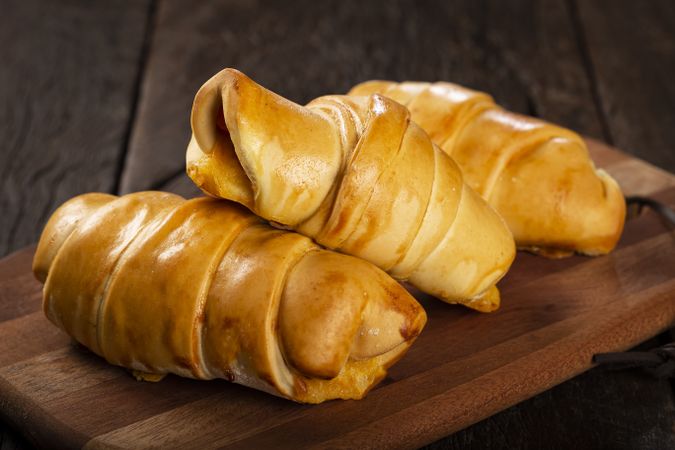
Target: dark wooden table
96,97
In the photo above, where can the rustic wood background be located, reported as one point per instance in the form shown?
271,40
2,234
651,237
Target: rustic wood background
96,97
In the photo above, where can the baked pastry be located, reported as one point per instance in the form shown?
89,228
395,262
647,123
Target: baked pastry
204,289
538,176
356,175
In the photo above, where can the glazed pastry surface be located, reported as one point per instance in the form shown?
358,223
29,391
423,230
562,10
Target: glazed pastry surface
356,175
204,289
537,175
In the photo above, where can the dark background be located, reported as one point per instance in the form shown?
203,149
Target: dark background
95,96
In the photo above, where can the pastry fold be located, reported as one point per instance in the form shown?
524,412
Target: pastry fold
204,289
537,175
356,175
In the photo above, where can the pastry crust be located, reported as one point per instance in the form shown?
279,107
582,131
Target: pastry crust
356,175
204,289
537,175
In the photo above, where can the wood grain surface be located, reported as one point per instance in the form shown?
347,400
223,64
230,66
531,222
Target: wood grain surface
465,366
66,105
631,50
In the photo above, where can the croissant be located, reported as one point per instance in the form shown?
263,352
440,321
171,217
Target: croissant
538,176
356,175
204,289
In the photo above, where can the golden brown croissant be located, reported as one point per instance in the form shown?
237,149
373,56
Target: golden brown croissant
538,176
204,289
356,175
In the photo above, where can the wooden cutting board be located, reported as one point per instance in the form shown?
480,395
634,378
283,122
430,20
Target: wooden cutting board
465,366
